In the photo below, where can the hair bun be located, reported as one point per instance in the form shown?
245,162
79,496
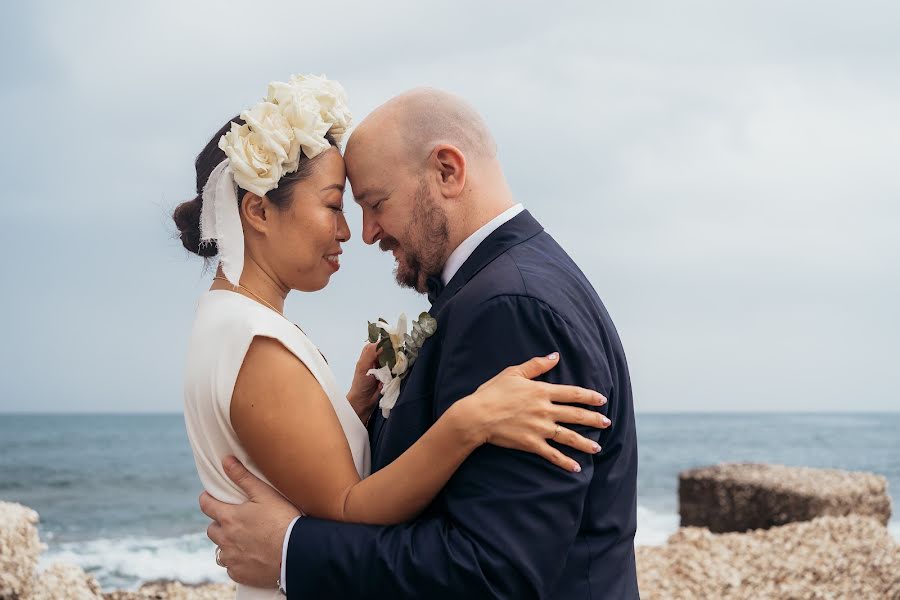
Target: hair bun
187,219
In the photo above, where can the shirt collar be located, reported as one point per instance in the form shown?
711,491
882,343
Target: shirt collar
467,247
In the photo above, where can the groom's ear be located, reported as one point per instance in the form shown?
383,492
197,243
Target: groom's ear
450,165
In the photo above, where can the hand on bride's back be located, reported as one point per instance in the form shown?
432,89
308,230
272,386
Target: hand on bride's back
364,390
515,412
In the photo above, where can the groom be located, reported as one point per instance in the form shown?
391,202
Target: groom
509,524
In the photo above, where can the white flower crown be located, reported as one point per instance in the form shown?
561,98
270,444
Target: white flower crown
294,117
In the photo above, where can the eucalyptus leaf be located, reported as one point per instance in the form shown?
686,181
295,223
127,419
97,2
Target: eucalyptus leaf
388,356
427,323
373,333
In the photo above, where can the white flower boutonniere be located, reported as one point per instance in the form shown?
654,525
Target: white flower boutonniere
399,350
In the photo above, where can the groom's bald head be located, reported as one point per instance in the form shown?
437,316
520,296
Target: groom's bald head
407,127
423,167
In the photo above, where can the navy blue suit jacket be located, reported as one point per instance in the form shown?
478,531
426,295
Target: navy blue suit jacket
508,524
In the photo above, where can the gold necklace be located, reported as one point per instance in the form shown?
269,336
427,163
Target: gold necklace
249,291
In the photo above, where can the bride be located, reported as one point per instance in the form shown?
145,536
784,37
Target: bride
269,205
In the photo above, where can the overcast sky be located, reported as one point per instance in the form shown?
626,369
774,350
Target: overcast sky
725,173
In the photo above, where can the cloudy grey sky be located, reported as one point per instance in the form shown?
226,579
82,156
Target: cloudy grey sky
724,173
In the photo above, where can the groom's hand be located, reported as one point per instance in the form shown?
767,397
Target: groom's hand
251,534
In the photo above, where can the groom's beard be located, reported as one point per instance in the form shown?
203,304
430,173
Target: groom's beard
427,237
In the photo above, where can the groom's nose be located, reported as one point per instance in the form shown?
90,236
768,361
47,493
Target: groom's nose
371,231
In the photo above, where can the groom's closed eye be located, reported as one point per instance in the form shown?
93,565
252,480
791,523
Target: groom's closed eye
370,197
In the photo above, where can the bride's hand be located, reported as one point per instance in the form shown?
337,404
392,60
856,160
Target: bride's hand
514,412
364,390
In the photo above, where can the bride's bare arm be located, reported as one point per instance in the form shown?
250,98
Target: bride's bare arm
288,426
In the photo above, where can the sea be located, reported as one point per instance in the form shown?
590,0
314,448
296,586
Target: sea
117,494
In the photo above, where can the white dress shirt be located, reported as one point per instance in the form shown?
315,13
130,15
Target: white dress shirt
468,245
456,259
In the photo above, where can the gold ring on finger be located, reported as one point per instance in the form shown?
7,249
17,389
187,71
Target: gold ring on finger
556,431
219,557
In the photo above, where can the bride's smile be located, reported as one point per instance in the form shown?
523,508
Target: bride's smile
299,244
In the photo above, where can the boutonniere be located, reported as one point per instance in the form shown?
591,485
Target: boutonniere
399,350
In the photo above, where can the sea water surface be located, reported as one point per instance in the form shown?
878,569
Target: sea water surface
117,494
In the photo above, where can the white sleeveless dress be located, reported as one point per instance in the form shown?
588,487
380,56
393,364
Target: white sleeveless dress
225,324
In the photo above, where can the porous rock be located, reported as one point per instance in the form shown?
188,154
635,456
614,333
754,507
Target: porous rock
742,497
829,557
62,581
175,590
20,549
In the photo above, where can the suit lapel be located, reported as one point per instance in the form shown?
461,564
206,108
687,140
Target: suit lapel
520,228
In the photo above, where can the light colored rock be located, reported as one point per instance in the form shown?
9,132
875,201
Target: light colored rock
20,548
829,557
174,590
741,497
65,582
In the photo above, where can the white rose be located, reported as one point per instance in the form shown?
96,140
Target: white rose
332,102
295,117
300,109
268,121
256,165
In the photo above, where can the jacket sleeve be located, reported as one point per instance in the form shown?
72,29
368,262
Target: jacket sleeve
506,520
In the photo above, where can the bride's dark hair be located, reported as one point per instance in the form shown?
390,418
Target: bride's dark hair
187,214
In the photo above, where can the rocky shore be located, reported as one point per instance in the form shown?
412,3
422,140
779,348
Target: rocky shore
788,533
20,549
798,533
741,497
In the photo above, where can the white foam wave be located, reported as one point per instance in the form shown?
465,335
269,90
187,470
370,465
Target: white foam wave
653,527
127,562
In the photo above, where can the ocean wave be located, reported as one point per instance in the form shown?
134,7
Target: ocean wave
127,562
654,527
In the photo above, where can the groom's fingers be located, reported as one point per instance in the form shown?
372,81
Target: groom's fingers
215,533
254,487
211,507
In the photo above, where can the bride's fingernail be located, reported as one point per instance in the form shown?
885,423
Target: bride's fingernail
553,356
595,447
576,468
